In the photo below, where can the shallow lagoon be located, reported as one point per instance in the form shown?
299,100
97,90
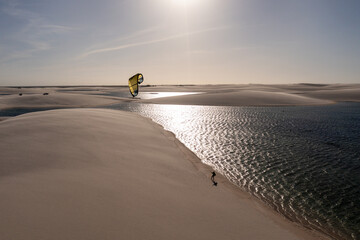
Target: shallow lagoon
302,161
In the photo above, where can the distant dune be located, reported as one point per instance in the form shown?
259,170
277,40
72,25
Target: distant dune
213,95
264,95
54,99
241,98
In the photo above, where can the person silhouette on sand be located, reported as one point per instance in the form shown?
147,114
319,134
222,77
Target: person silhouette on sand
213,178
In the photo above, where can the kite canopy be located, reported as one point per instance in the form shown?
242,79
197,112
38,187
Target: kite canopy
134,82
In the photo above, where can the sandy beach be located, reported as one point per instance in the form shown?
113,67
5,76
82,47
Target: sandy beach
88,173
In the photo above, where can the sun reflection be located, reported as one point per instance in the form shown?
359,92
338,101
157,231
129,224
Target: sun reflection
152,95
174,118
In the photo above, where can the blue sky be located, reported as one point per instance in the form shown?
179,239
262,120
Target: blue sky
87,42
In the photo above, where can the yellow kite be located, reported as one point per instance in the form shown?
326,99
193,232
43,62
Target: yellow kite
134,82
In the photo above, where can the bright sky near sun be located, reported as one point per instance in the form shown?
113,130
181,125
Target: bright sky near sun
92,42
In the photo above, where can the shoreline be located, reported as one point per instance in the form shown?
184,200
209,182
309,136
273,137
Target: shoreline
242,201
264,207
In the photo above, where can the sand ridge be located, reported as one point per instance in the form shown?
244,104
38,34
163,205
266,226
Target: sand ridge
55,100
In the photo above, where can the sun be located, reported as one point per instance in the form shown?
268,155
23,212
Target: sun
183,2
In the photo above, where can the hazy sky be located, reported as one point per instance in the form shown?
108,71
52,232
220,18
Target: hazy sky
75,42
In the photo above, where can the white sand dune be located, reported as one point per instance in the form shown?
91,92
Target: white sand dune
55,100
25,90
105,174
337,95
241,98
261,95
214,95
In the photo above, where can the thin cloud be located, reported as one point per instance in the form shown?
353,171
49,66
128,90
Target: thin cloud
26,53
56,28
34,35
32,20
136,34
164,39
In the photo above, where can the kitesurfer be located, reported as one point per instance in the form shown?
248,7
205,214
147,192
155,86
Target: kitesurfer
213,178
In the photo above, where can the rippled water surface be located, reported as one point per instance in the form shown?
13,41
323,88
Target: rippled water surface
302,161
